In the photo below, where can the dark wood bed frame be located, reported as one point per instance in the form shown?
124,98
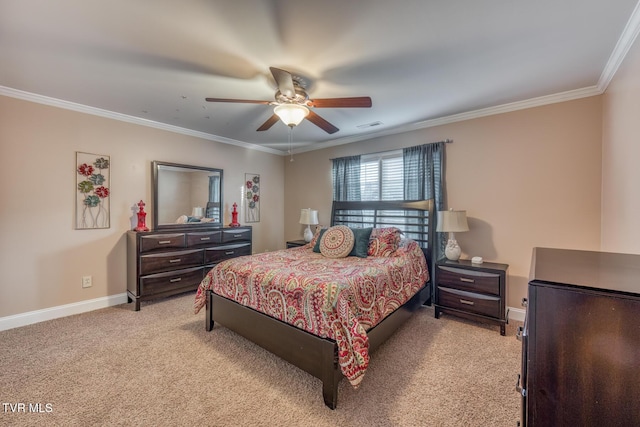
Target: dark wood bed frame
319,356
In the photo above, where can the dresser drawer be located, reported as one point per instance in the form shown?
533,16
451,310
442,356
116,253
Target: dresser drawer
204,238
469,280
163,282
162,241
469,302
155,263
220,253
235,235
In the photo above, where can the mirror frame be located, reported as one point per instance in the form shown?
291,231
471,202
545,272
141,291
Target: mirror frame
155,169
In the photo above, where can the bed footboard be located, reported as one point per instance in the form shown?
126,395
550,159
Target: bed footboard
316,356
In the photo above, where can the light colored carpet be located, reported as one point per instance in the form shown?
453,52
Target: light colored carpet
159,367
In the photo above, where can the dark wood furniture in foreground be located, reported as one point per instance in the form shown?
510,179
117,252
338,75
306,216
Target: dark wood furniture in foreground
164,263
319,356
473,291
581,340
295,243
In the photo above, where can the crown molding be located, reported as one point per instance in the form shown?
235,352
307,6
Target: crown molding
489,111
626,40
67,105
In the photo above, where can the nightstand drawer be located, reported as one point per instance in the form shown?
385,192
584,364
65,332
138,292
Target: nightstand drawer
469,280
469,302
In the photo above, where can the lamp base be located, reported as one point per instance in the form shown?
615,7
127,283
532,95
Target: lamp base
452,251
308,235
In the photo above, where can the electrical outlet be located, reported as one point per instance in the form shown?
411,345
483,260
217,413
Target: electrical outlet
86,281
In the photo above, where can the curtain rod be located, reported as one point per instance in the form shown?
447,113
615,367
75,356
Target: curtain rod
446,141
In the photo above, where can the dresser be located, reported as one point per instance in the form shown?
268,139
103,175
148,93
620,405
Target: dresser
164,263
581,340
473,291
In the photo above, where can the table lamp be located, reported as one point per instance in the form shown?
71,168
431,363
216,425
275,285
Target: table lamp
308,217
452,222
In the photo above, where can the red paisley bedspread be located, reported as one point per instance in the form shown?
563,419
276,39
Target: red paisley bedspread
338,299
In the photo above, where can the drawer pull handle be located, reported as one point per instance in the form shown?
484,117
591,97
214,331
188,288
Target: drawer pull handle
229,253
519,389
467,302
464,279
205,238
237,235
175,260
164,242
177,279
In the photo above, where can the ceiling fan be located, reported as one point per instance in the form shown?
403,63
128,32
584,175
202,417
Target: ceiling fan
292,103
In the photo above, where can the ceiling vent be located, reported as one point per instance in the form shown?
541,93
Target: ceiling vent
369,125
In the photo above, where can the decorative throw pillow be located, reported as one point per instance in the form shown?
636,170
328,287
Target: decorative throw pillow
337,242
316,239
384,241
361,244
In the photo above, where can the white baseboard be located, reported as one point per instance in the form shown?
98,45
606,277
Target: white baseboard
37,316
517,314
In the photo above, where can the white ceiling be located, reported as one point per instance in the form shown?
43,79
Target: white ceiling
421,61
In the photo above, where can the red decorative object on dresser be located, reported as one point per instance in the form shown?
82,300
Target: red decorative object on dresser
234,216
142,226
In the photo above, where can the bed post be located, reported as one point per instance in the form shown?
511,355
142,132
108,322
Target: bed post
331,375
209,312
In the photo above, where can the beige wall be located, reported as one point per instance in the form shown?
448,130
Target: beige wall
526,178
42,257
621,157
562,175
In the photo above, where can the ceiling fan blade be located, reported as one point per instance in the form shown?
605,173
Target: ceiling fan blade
270,122
356,102
321,123
285,82
244,101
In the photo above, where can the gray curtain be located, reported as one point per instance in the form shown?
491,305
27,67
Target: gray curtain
213,205
346,178
424,179
346,187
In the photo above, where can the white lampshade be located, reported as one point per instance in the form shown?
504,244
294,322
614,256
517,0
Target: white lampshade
291,114
452,221
308,217
198,212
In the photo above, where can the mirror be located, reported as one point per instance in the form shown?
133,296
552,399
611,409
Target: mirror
185,195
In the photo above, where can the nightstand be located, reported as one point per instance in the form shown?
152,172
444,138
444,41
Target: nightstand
473,291
295,243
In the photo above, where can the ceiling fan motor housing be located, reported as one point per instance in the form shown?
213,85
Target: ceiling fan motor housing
301,96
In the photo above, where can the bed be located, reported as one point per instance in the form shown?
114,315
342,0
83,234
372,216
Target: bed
327,314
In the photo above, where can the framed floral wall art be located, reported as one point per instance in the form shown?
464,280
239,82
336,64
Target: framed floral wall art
252,197
93,192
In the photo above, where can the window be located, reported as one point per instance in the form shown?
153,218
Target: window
381,176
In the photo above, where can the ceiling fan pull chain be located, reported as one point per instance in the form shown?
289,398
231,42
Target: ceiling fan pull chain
290,153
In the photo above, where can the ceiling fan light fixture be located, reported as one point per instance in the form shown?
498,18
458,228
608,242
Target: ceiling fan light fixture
291,114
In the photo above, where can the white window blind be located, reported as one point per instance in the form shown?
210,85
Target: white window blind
381,176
